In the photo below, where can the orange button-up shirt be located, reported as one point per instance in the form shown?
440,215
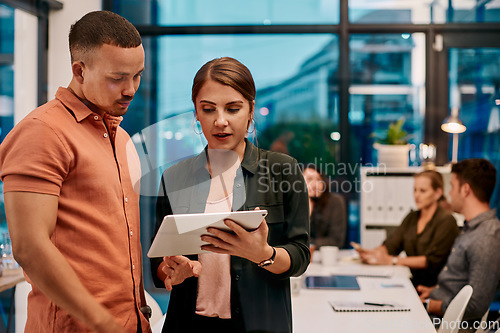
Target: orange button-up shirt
63,148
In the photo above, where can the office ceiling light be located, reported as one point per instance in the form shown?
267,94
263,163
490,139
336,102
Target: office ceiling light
452,124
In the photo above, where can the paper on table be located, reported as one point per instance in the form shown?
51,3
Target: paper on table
181,234
363,270
340,306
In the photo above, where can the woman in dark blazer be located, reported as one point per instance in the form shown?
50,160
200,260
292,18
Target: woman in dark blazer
327,211
241,283
425,235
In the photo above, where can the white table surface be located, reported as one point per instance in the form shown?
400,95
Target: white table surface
313,313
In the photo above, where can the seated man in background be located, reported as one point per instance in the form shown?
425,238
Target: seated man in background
474,257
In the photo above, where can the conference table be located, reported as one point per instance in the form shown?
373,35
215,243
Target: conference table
312,310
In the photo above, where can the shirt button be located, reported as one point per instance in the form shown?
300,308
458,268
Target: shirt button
133,266
105,135
238,185
96,117
131,233
236,277
126,199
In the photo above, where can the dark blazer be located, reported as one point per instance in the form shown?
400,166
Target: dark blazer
329,223
260,300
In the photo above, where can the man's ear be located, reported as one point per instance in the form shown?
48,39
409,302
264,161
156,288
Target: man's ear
466,190
78,69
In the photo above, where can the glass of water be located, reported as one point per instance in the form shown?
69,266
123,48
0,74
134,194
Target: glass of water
8,261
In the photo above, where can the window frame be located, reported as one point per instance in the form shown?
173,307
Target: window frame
40,9
436,106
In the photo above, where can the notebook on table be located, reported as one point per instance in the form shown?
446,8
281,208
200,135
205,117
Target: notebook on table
345,282
341,306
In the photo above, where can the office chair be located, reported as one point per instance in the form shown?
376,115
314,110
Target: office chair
455,311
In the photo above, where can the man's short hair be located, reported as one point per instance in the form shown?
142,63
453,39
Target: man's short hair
97,28
480,174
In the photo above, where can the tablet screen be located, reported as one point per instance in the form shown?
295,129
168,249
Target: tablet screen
181,234
347,282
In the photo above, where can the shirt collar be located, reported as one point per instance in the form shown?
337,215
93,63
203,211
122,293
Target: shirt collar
79,109
251,157
488,215
76,106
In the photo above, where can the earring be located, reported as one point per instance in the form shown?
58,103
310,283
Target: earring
251,123
195,125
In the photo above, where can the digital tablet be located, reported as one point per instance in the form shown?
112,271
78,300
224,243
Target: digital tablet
180,234
345,282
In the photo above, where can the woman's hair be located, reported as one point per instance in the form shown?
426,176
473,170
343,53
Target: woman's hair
227,71
435,177
323,198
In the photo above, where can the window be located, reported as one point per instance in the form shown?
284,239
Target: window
423,11
327,85
6,85
387,83
474,80
228,12
294,75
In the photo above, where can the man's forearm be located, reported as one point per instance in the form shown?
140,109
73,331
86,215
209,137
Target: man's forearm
32,219
434,307
51,273
415,262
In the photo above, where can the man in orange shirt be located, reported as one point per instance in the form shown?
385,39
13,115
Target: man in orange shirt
69,172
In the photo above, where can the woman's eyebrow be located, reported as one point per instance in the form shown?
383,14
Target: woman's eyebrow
235,102
206,101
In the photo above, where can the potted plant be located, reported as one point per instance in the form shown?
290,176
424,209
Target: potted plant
393,149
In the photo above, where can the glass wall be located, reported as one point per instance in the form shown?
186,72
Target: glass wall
296,108
229,12
424,11
387,84
316,100
295,78
475,89
6,86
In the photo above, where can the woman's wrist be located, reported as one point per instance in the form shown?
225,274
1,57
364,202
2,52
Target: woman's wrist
395,260
267,253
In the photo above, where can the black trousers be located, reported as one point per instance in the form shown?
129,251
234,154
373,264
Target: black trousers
215,325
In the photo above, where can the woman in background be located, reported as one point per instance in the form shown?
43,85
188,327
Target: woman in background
243,284
327,211
426,235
